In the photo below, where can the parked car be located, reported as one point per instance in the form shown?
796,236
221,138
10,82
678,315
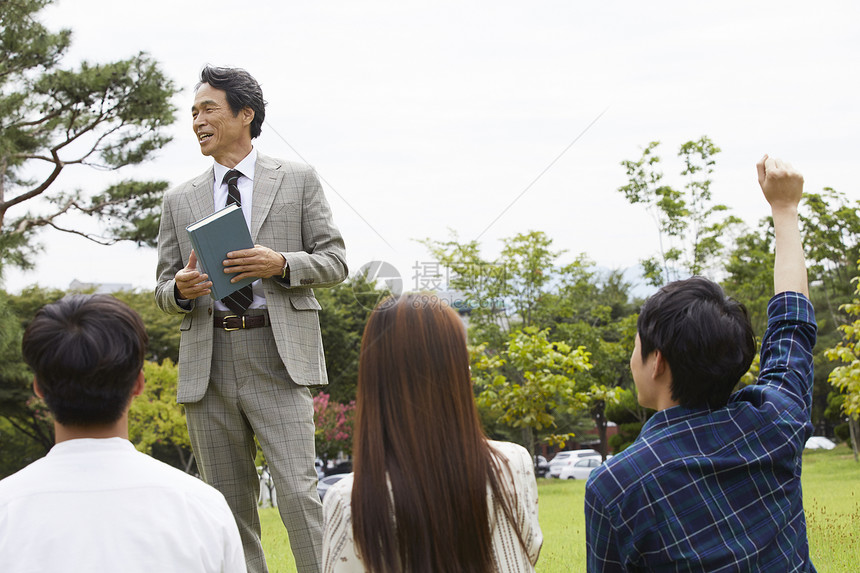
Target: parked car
338,467
580,469
819,443
568,457
541,466
327,482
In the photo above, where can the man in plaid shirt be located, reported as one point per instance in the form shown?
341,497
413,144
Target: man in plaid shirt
713,481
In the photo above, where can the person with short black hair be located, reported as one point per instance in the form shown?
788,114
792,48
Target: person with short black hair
94,503
712,483
241,90
87,353
246,361
705,336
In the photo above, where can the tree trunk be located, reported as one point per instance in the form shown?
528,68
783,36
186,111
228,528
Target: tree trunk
529,439
854,431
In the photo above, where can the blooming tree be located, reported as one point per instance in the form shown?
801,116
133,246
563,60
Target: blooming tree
334,426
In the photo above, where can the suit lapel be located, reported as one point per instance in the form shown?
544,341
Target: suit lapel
201,199
267,180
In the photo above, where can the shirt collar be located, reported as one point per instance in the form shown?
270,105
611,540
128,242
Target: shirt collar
86,444
670,416
245,167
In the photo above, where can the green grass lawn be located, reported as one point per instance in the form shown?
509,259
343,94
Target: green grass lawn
831,499
831,493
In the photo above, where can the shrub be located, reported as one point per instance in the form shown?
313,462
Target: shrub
627,434
843,432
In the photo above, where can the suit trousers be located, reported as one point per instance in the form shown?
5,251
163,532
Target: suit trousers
250,393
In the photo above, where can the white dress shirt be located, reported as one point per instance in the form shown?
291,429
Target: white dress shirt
246,186
100,505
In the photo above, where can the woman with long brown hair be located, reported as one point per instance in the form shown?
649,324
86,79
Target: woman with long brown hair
430,492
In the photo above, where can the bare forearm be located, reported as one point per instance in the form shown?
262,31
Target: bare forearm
789,269
782,186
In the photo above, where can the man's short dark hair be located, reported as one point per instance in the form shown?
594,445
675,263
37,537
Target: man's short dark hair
705,336
86,352
242,91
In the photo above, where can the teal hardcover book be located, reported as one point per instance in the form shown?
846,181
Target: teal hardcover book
212,238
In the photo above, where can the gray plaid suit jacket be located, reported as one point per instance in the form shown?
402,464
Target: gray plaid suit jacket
290,214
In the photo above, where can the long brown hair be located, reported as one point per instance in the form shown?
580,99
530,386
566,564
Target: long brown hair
417,429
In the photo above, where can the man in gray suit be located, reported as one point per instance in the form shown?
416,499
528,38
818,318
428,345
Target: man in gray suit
245,372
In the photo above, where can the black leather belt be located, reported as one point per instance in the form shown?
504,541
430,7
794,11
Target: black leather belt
234,322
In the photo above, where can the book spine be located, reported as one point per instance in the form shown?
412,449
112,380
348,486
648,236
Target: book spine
200,244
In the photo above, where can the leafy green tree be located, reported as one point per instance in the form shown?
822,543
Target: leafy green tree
26,432
12,367
16,449
626,408
830,225
528,262
577,306
540,381
749,269
846,378
54,118
594,310
25,304
595,399
628,415
18,405
689,224
842,430
484,282
157,422
503,294
345,310
162,328
831,237
29,416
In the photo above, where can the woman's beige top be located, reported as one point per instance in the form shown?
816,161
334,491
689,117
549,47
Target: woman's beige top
339,554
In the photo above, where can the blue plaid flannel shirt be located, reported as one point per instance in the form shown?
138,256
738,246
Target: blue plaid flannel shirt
703,490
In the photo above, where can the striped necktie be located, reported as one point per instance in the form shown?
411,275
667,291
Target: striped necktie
240,300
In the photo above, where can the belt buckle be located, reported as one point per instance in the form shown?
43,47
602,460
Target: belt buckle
226,329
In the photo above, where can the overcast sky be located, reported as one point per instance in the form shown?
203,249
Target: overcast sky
424,118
